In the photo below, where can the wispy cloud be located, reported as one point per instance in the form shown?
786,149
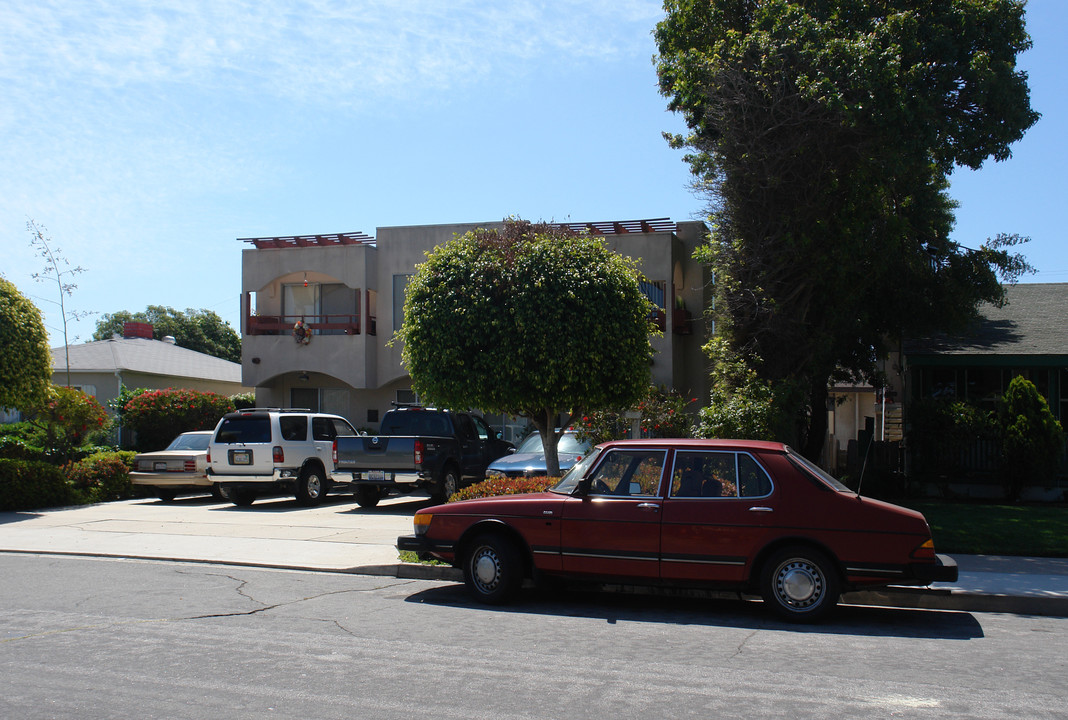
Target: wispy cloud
117,117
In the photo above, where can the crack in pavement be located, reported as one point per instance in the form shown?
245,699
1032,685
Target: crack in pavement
240,589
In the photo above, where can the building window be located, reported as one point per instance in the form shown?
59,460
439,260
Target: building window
333,308
400,284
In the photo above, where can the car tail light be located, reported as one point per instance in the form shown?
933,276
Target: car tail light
208,458
925,551
190,465
333,453
418,452
277,455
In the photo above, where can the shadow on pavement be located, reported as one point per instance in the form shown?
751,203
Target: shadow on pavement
739,613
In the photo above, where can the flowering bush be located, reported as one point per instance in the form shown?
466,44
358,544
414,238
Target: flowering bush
504,486
157,416
101,477
65,419
661,413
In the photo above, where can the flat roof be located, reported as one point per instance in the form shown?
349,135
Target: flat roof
607,227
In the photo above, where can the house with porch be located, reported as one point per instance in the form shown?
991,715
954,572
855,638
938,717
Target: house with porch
1028,337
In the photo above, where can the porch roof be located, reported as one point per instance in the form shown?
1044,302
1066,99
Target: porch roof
1032,324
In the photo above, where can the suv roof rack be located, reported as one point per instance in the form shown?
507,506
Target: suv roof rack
273,409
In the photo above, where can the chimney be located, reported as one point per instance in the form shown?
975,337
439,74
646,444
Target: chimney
137,330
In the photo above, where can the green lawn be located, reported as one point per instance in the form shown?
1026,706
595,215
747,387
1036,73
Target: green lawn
980,529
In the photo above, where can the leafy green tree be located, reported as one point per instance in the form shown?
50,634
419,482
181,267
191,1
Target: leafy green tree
200,330
823,132
1032,441
530,320
25,359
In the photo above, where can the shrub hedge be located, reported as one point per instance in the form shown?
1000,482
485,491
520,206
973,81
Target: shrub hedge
30,484
504,486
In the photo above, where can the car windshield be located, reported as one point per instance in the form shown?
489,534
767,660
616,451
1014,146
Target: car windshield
190,441
571,478
568,444
815,470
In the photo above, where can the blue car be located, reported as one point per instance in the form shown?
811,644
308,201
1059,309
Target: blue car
529,458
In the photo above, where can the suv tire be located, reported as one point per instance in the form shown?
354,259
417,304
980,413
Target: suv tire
312,485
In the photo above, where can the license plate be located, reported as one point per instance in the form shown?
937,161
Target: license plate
376,475
240,457
160,466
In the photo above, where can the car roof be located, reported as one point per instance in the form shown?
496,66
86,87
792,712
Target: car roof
698,444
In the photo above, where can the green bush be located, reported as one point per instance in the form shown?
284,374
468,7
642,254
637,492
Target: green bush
21,441
492,487
101,477
31,484
1032,440
158,416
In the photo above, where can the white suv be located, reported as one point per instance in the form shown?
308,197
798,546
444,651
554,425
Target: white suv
271,450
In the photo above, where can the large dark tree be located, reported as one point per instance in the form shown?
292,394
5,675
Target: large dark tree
531,320
823,132
200,330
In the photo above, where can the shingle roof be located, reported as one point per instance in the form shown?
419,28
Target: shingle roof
142,355
1033,322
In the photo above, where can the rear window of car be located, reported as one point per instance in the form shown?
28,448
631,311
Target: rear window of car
189,441
245,429
414,422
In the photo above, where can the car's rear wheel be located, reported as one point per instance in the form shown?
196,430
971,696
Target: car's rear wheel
493,569
367,496
448,485
311,486
216,493
800,584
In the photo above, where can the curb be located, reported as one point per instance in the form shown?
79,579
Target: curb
919,598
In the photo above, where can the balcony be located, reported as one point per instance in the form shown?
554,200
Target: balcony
316,324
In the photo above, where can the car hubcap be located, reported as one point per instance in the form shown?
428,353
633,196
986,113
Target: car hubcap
799,585
314,486
486,570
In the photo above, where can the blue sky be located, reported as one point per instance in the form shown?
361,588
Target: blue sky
148,136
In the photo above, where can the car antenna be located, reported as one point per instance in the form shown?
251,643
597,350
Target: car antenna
864,465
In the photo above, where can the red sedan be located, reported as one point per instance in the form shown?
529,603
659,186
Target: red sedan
726,514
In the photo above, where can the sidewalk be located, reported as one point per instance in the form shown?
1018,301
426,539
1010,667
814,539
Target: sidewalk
339,536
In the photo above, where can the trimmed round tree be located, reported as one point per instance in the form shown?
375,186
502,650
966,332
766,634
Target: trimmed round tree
25,359
529,320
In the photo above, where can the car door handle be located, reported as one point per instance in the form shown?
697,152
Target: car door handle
760,508
648,506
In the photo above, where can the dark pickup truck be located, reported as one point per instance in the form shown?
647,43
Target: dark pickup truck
418,448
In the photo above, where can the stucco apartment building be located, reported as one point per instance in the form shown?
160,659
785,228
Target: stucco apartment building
347,291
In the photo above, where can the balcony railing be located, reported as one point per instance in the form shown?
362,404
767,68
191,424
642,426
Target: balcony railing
317,324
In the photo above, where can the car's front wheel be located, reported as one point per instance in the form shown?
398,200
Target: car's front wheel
311,486
493,569
800,584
